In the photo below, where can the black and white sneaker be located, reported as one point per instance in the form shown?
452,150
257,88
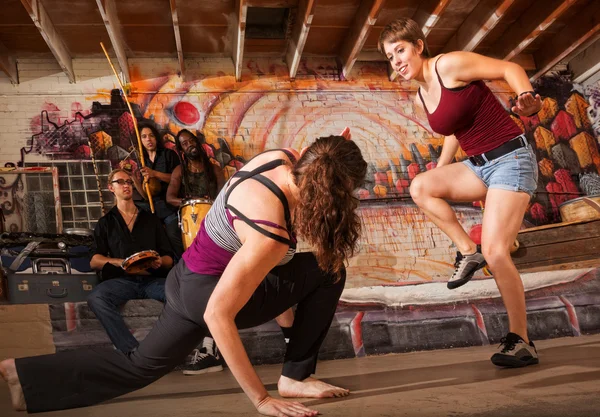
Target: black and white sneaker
465,267
204,360
515,353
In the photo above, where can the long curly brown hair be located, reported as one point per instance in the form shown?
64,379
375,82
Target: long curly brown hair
327,174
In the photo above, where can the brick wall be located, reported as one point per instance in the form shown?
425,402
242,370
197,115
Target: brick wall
46,117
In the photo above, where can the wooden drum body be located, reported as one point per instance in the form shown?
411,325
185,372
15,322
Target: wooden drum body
579,209
191,214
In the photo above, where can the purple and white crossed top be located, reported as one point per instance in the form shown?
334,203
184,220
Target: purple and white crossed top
217,241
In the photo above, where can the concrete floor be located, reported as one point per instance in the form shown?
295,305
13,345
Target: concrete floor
454,382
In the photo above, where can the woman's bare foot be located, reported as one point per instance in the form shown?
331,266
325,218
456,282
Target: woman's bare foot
309,388
9,373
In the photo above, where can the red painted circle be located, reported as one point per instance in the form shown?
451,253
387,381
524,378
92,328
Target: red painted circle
186,113
475,234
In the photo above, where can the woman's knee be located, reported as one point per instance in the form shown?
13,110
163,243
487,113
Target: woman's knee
496,254
419,188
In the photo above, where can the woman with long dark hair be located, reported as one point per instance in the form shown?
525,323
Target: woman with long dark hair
160,163
241,271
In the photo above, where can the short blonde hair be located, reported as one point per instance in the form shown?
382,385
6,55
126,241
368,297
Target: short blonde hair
115,172
403,29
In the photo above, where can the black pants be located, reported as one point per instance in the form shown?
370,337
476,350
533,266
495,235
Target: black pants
88,376
106,299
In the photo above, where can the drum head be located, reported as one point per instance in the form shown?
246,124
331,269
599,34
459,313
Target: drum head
192,201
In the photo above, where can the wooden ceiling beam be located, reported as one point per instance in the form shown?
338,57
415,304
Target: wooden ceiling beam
365,18
428,14
586,64
526,61
306,10
274,3
8,64
239,36
371,56
42,22
528,27
579,34
177,38
108,12
477,25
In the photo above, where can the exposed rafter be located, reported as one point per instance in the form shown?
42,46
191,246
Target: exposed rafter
365,18
42,21
241,11
586,63
273,3
529,26
526,61
477,25
428,14
571,40
299,35
108,12
177,37
8,64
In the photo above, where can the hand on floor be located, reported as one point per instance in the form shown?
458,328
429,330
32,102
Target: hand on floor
273,407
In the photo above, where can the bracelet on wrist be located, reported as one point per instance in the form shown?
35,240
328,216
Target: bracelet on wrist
525,92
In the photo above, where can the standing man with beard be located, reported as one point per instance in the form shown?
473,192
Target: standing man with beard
197,177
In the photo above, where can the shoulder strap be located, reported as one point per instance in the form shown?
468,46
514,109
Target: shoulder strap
285,151
289,155
280,195
437,73
244,175
422,101
259,229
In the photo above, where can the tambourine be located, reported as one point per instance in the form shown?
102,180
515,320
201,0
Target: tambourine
78,231
140,261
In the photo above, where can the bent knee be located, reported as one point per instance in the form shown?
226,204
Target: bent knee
98,299
496,254
419,187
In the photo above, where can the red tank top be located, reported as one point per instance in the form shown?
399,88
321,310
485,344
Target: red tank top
474,115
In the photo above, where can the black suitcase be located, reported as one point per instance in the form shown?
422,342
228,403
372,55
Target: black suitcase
48,288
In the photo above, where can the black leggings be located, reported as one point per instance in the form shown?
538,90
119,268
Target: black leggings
85,377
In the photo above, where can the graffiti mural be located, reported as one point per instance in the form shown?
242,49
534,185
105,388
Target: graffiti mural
404,260
593,92
267,111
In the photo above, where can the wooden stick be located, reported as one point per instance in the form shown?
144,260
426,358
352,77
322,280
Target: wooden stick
97,174
135,125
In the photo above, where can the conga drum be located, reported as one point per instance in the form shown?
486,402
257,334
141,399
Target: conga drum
140,261
191,213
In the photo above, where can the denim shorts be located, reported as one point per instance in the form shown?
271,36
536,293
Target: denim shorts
515,171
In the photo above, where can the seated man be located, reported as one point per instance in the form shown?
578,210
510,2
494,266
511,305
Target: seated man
120,233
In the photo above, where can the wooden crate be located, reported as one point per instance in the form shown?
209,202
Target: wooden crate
559,246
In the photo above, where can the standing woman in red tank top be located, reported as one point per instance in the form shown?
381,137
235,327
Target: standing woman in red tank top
501,168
